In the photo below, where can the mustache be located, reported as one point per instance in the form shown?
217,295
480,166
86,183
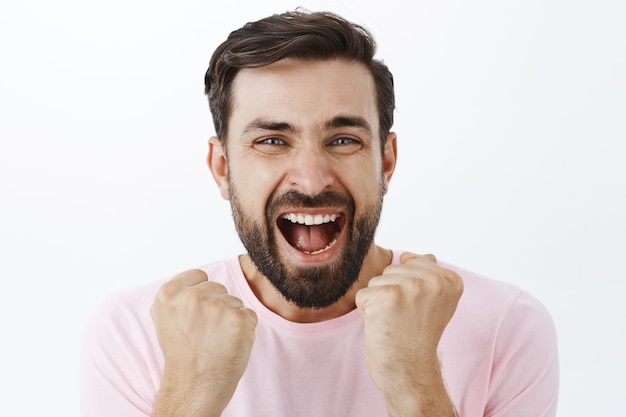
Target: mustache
297,199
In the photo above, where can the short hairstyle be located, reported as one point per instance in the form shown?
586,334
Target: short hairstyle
298,34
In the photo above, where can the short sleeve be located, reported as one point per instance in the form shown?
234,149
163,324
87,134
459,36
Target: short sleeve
120,371
524,380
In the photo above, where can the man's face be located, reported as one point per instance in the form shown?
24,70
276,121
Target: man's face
305,174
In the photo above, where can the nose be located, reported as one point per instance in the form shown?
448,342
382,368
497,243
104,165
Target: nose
310,171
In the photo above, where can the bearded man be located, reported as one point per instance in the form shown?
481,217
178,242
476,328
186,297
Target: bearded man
315,319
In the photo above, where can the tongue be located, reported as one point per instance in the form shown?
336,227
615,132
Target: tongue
310,238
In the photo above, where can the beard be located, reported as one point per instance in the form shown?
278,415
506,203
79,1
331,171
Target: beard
310,287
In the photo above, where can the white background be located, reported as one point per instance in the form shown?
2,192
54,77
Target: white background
512,140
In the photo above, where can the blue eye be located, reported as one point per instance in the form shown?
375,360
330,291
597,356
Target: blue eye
345,145
271,145
344,141
271,141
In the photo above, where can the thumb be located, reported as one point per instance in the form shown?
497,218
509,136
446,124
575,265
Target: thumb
191,277
410,255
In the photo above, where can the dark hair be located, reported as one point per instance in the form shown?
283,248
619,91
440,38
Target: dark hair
298,34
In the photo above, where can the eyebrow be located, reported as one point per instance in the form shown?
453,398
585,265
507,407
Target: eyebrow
334,123
349,121
259,124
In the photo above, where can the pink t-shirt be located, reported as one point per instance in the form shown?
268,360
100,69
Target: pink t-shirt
498,356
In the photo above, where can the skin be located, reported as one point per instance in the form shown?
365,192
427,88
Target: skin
280,139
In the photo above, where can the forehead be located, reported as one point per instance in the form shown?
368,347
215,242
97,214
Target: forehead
303,93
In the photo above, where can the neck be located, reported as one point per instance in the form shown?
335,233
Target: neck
374,263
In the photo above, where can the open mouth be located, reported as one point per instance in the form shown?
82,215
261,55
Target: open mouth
312,234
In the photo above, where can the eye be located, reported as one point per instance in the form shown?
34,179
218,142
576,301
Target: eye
271,145
270,141
345,145
344,141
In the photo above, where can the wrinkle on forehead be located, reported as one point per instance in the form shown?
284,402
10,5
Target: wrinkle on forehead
334,123
325,94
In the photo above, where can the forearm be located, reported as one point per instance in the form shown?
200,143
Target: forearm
423,394
182,397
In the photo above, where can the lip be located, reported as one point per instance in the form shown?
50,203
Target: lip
309,258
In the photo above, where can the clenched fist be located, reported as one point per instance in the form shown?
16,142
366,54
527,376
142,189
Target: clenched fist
206,337
406,310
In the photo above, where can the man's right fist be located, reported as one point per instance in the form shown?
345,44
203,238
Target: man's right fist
206,337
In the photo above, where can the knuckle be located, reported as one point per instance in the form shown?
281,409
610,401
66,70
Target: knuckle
216,287
439,284
238,319
460,286
191,275
431,257
456,281
231,301
168,290
253,316
414,286
248,316
390,294
214,304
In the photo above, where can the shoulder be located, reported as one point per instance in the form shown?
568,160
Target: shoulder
486,295
130,307
512,324
119,347
511,335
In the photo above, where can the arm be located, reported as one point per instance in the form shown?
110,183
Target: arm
206,337
406,310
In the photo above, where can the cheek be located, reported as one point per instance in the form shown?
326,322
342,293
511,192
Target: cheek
367,187
253,188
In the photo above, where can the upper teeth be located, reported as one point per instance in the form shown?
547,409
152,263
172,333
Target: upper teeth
309,220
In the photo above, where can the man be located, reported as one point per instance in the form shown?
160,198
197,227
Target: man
315,319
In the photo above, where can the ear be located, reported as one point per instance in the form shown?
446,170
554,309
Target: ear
216,160
390,154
